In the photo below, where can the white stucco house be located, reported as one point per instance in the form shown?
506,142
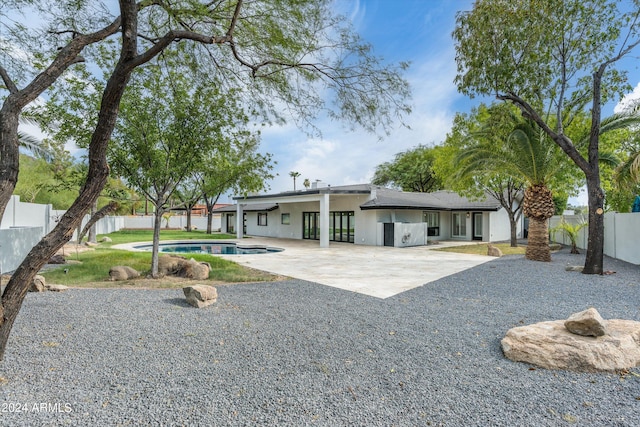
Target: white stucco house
366,214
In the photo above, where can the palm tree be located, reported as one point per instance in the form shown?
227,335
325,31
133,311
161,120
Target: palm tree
526,154
294,175
31,143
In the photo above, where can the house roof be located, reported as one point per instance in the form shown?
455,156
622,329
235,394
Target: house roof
438,201
384,198
341,189
259,207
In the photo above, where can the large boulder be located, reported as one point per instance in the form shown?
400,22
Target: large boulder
493,251
173,265
122,272
551,345
58,259
170,265
200,295
37,284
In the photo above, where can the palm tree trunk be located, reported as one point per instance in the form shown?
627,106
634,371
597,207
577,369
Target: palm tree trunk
538,245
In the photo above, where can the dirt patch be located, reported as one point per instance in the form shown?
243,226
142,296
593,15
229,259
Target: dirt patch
72,248
167,282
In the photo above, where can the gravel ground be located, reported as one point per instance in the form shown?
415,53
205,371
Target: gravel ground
298,353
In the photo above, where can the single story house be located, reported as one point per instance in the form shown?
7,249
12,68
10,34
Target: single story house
367,214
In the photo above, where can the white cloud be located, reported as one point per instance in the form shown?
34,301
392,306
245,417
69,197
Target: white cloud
630,100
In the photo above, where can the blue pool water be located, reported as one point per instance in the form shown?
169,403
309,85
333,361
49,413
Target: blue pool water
216,248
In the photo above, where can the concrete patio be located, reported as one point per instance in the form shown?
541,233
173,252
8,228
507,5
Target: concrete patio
376,271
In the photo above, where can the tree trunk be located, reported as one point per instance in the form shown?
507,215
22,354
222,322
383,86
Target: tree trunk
157,224
188,217
593,263
106,210
210,205
209,220
92,229
514,229
538,245
97,175
9,154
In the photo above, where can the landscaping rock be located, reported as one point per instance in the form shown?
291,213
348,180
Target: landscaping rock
587,323
173,265
493,251
550,345
200,295
56,288
574,267
57,259
38,284
122,272
196,270
106,239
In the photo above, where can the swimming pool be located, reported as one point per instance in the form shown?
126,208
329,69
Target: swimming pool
211,247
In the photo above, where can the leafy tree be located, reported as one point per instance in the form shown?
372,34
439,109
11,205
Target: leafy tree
240,168
277,51
484,127
411,170
168,128
524,156
550,59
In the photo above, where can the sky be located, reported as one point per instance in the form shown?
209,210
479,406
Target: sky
418,31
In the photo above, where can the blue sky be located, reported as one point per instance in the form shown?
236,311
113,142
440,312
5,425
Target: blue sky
417,31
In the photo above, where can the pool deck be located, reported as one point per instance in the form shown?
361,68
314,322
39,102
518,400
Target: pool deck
376,271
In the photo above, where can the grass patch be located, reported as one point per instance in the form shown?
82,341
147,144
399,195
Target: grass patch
481,249
90,268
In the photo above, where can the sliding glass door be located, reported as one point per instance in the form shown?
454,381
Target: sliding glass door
341,226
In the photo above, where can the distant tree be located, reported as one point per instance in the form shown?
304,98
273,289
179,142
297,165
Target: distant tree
294,175
239,168
306,183
188,193
551,58
411,170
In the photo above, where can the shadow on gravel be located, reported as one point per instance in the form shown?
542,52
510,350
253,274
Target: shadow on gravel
180,302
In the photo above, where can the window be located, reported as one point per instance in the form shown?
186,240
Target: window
262,218
459,224
285,219
433,222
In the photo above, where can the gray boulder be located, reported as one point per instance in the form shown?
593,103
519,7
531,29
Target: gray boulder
587,323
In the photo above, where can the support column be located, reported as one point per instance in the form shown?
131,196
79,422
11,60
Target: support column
324,220
239,221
